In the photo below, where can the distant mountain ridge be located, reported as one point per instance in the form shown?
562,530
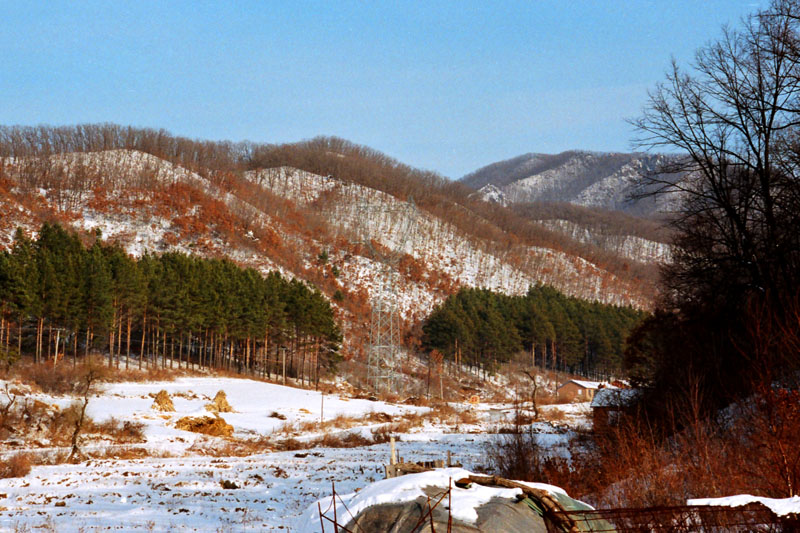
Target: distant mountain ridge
606,180
284,207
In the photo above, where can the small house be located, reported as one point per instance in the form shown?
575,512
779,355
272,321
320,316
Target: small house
576,390
608,404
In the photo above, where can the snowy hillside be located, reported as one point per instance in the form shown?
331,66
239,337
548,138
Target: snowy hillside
592,179
286,447
282,219
357,213
630,246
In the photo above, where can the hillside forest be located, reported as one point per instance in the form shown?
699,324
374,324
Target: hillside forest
61,299
484,329
33,163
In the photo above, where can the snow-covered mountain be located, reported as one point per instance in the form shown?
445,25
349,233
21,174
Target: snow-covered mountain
494,194
285,219
592,179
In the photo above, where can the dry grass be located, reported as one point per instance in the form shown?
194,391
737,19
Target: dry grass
445,414
264,444
220,404
120,453
629,465
162,402
339,422
121,432
36,423
552,415
61,379
65,378
207,425
18,465
233,447
348,440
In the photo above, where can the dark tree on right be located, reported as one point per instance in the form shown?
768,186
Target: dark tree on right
728,314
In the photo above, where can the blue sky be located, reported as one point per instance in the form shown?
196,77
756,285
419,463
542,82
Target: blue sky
446,86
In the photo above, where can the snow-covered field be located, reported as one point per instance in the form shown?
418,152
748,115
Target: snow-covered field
185,493
176,487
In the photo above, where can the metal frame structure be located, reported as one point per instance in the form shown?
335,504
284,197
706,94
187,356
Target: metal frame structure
383,354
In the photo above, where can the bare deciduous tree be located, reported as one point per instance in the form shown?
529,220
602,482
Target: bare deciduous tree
735,117
91,376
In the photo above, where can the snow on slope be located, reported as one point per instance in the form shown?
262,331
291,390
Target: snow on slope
448,257
184,493
444,248
296,185
779,506
630,246
179,488
363,214
591,179
491,193
254,403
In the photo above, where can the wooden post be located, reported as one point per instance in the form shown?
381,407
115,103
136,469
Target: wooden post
392,456
335,516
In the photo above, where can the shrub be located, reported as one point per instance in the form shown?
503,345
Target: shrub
18,465
62,379
553,415
122,432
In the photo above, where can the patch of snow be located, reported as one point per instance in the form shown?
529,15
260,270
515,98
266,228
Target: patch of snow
613,397
779,506
464,503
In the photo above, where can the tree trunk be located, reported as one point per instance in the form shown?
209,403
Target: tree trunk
441,384
119,340
144,335
111,336
203,351
39,339
55,355
247,355
128,343
111,346
266,354
303,364
19,338
76,453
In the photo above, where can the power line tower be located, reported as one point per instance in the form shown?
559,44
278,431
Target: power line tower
383,352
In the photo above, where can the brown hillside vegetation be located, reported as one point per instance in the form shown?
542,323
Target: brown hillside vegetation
220,162
147,190
600,220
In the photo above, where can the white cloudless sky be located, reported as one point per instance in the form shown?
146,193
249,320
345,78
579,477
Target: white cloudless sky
446,86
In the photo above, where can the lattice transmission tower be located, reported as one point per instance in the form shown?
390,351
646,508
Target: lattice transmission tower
398,222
